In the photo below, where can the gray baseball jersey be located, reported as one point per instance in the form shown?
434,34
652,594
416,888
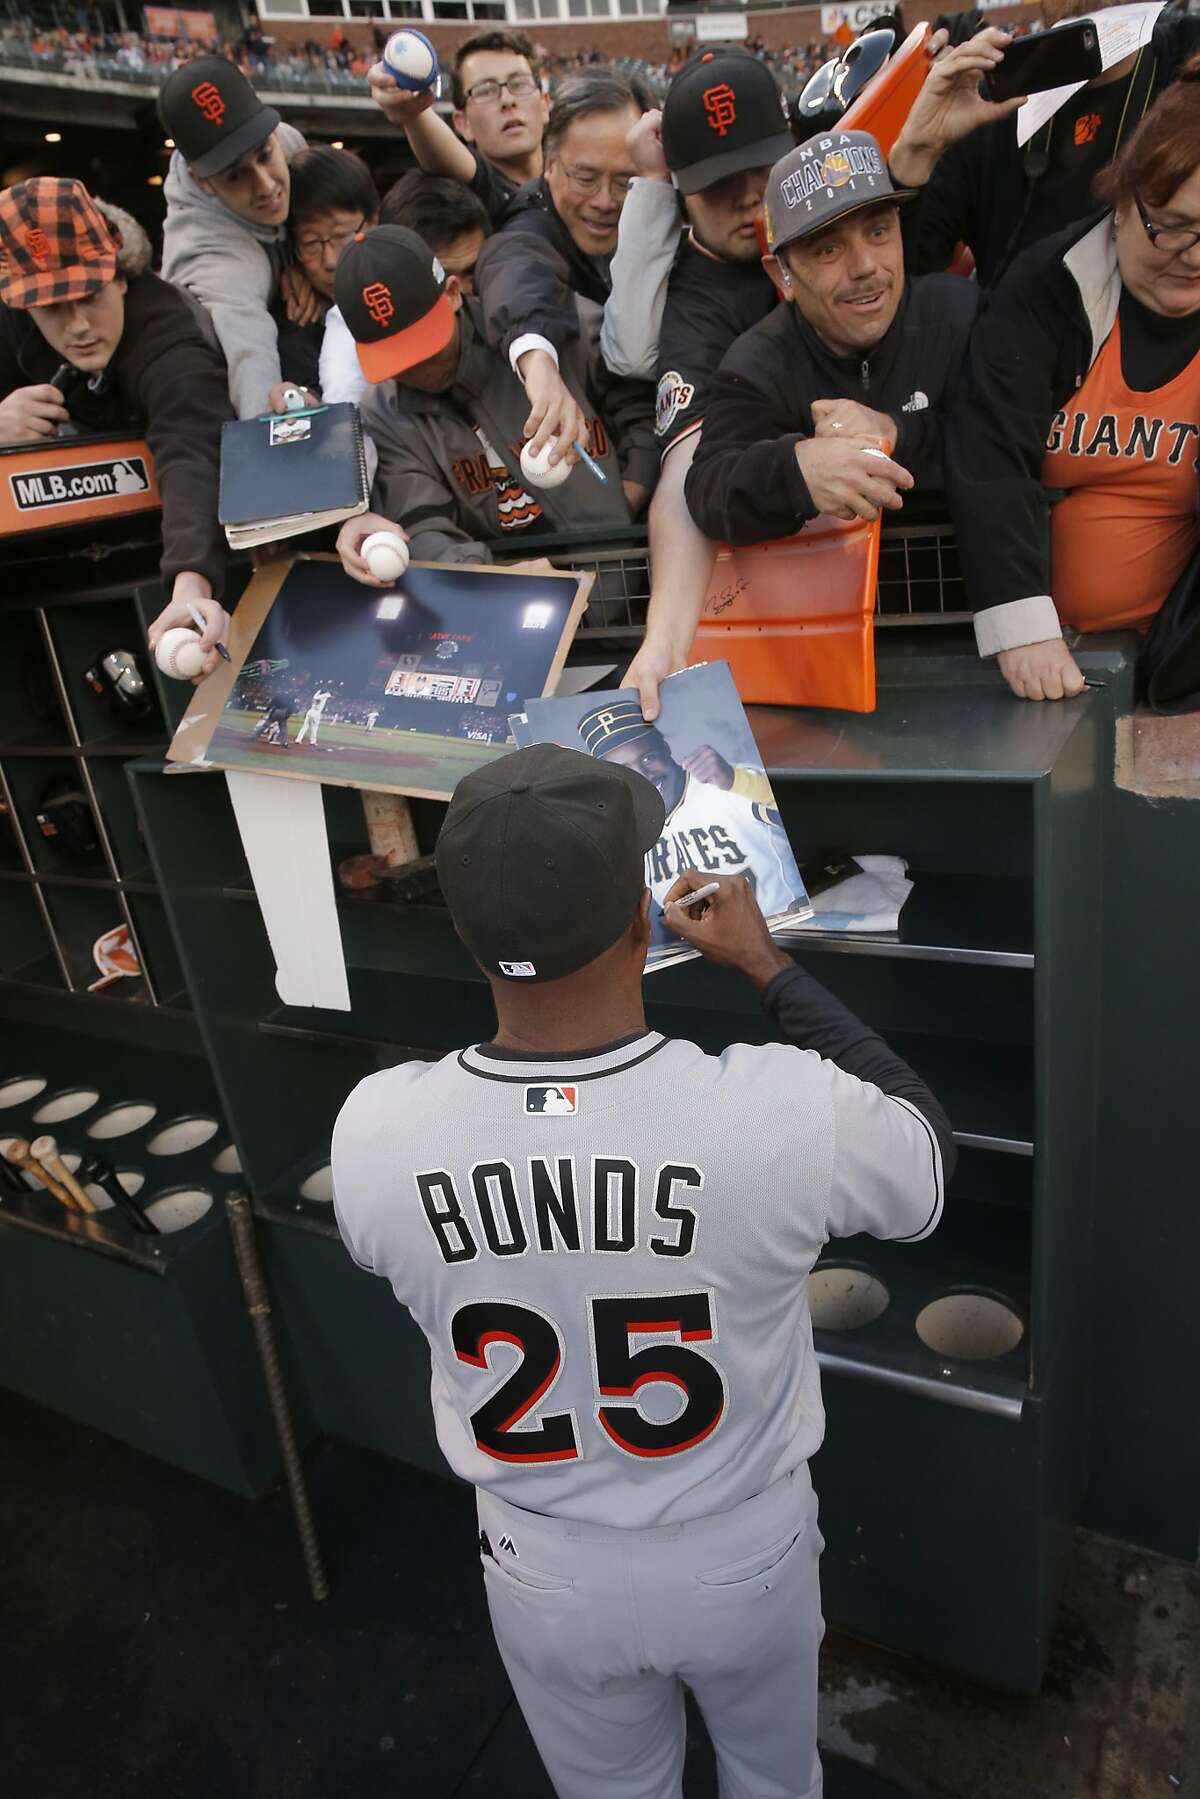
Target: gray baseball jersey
609,1253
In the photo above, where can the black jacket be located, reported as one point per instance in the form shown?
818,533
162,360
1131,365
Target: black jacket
981,192
1035,342
530,270
167,384
745,485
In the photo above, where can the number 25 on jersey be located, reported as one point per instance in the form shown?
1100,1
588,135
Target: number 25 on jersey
621,1371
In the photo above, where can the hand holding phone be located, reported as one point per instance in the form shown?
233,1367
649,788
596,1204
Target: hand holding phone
1047,59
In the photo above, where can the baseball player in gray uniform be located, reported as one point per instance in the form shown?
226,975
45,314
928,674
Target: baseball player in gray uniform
606,1236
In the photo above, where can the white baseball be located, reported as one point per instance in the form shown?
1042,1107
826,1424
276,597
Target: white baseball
539,471
410,59
179,653
385,554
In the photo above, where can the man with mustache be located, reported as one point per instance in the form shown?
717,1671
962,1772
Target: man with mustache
856,354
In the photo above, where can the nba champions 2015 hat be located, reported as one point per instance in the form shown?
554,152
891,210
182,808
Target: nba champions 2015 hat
391,290
823,180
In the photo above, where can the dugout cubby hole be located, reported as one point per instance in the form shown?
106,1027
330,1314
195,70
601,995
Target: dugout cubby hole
31,714
55,816
115,803
11,859
81,634
156,945
26,947
79,916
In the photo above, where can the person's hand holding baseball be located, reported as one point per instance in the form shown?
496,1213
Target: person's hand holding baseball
728,928
1042,671
846,418
710,766
849,479
191,589
28,413
398,105
553,410
353,533
644,144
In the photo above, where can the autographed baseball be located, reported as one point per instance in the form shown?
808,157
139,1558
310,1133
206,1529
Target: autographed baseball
385,554
538,470
411,61
179,653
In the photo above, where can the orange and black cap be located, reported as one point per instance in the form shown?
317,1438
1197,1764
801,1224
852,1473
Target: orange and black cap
213,114
54,244
391,291
723,113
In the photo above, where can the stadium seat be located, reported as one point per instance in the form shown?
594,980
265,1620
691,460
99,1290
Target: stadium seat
885,102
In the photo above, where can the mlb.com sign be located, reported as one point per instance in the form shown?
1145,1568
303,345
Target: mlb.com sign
86,481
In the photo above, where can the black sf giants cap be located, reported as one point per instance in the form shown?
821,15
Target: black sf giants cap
391,289
823,180
541,859
213,114
723,113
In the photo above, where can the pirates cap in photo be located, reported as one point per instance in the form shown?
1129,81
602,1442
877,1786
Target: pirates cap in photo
617,722
54,244
723,113
824,179
391,290
213,114
542,859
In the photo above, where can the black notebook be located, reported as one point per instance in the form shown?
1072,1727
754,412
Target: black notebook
289,472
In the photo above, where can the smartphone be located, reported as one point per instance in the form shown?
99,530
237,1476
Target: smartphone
1048,59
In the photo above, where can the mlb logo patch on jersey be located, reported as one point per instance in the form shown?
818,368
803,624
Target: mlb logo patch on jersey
517,971
558,1102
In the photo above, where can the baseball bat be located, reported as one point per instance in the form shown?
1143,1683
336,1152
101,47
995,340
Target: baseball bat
18,1154
45,1150
103,1174
258,1305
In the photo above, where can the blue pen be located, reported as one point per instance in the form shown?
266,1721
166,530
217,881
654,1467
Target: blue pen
590,461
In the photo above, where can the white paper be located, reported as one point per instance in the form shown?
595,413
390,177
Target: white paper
1121,30
283,834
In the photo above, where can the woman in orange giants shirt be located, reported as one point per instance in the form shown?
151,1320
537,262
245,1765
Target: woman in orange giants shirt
1072,449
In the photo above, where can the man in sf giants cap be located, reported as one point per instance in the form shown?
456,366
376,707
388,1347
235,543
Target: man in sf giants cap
606,1236
711,149
856,357
447,414
225,238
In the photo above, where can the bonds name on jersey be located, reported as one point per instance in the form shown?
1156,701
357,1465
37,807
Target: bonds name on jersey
716,831
609,1256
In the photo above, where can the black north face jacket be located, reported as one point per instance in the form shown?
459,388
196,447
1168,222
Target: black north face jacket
745,485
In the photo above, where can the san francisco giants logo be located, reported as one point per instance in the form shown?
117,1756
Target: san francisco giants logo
378,301
720,103
38,245
208,98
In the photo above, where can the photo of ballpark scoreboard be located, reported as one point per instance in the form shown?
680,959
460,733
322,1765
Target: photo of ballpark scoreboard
409,687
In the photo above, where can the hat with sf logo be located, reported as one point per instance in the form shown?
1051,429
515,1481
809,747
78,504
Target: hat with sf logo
391,289
723,114
213,114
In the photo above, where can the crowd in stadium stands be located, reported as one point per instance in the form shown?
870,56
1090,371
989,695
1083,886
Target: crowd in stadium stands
746,332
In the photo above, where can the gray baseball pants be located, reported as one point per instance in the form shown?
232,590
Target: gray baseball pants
600,1629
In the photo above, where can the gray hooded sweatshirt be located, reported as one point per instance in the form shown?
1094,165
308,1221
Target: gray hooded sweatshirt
232,267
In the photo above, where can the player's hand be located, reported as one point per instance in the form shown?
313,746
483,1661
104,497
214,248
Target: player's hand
710,766
553,410
849,479
846,418
728,929
949,105
644,144
649,669
302,302
1042,671
276,399
28,413
397,104
351,536
194,589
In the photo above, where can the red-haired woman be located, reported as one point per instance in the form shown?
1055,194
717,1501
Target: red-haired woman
1072,451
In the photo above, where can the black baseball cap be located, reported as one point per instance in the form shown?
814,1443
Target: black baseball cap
213,114
832,174
541,859
723,113
391,290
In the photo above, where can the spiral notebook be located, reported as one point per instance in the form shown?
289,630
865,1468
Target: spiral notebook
290,472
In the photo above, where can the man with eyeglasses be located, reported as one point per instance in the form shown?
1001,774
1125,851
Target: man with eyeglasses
333,198
499,116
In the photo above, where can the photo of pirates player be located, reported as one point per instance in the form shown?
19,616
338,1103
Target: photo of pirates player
720,818
273,728
314,715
